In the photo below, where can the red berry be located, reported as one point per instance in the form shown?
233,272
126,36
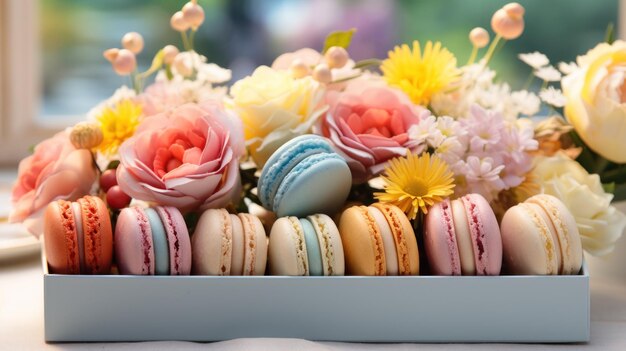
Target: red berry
108,179
116,198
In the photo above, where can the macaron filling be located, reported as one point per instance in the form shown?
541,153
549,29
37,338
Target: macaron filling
249,243
313,251
477,232
388,240
236,266
326,246
300,245
398,236
159,241
78,222
377,241
146,239
545,235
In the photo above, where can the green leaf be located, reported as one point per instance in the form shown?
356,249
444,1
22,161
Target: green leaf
610,33
609,187
620,193
367,62
338,38
113,164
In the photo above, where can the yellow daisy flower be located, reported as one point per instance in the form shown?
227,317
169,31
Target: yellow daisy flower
118,123
420,74
415,183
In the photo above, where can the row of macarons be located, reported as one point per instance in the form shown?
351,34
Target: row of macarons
461,237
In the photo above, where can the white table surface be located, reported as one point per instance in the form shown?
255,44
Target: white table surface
21,322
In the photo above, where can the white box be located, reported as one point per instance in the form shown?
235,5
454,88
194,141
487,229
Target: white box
367,309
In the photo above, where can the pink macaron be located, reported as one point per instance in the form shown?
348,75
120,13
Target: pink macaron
151,241
462,237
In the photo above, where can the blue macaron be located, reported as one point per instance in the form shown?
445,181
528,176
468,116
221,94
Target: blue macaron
304,176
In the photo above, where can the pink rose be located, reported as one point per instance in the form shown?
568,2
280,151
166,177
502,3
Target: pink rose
187,158
56,170
368,123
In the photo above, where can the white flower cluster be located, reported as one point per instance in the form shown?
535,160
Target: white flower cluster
486,152
477,86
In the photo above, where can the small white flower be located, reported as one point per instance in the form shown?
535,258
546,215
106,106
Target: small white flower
552,96
525,102
567,67
548,74
535,59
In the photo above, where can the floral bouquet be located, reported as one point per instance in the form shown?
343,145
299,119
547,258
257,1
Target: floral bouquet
414,128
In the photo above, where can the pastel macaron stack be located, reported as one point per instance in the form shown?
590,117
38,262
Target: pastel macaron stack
462,237
378,240
78,236
152,241
306,246
304,176
229,244
540,236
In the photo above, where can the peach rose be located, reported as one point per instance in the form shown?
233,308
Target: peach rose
56,170
187,158
368,123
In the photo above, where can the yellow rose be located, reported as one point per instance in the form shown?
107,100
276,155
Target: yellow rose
596,100
274,107
599,223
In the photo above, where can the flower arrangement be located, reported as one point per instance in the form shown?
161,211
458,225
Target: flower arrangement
414,128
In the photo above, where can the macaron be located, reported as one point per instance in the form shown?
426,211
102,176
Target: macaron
378,240
540,236
229,244
78,236
462,237
152,241
306,246
303,177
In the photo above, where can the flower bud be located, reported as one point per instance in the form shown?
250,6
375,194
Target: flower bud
514,10
507,26
336,57
133,41
178,22
479,37
182,64
169,54
322,74
299,69
110,54
193,14
86,135
124,62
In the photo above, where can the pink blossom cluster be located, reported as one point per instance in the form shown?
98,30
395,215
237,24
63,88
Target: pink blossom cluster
486,152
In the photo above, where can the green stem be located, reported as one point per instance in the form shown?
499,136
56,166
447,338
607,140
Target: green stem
529,80
367,63
492,49
186,45
544,85
472,57
191,38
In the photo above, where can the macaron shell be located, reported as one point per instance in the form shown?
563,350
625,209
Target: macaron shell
236,266
318,184
313,251
177,238
485,234
406,242
566,230
362,242
159,240
97,235
440,240
134,253
283,160
331,247
61,244
528,247
255,244
211,243
78,221
463,238
389,243
287,249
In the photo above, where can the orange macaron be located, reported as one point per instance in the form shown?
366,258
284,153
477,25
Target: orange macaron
78,236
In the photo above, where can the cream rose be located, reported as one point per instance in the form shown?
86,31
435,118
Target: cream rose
274,107
599,223
596,100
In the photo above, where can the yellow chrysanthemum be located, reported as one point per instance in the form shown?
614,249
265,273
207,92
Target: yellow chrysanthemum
118,123
415,183
420,75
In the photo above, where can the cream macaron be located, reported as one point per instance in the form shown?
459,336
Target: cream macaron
540,236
